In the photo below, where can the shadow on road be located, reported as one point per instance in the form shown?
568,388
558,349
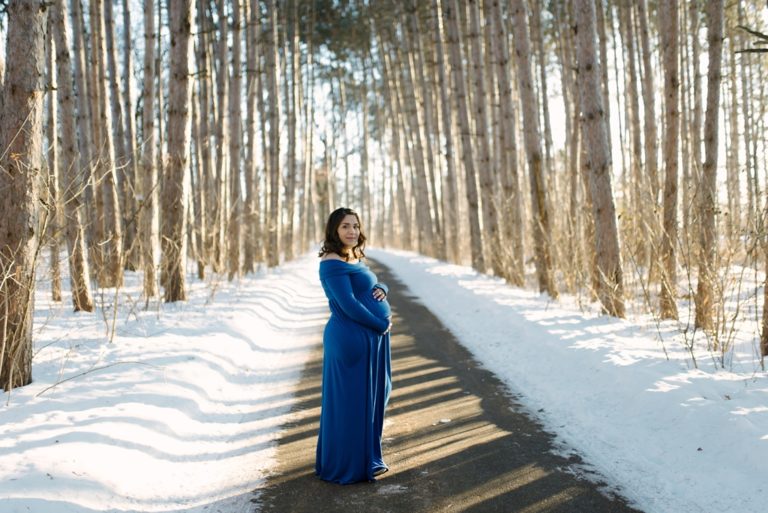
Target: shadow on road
454,439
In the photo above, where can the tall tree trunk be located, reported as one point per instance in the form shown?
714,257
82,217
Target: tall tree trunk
84,132
252,210
450,192
72,176
691,184
650,185
414,116
110,272
511,204
196,216
649,105
130,205
222,138
21,134
394,113
638,207
485,169
174,183
668,27
52,225
292,56
705,293
235,143
451,13
539,50
261,104
99,247
746,64
764,327
208,197
310,210
603,42
364,154
426,124
611,281
273,106
732,160
541,223
573,220
148,211
122,155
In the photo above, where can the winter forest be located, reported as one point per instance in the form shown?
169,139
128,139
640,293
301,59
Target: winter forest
609,151
567,198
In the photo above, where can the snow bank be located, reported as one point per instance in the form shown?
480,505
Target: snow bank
180,412
669,436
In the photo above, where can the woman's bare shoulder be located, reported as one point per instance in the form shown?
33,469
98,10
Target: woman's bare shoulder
331,256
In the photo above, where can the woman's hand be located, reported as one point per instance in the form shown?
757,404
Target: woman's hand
379,294
389,328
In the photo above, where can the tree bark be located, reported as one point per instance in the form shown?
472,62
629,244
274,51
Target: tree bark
705,293
21,142
573,219
291,84
84,132
308,234
611,281
450,191
637,183
403,231
532,136
72,176
251,216
221,208
427,126
110,272
273,107
746,64
649,105
208,222
539,50
512,258
691,184
174,185
122,155
52,164
148,211
130,206
485,169
451,13
409,69
235,143
668,27
733,218
650,186
196,216
603,43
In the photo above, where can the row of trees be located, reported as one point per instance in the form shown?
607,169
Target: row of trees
631,76
250,120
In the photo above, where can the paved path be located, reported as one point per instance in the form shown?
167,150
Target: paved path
454,440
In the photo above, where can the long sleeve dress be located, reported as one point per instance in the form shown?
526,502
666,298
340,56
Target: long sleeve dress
356,374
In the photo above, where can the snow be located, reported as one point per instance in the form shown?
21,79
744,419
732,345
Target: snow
182,410
179,413
667,435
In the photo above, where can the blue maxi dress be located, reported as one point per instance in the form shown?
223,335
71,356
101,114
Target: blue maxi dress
357,377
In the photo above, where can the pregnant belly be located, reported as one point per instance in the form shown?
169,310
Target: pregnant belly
378,308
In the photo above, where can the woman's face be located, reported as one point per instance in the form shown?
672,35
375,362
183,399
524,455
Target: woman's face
349,231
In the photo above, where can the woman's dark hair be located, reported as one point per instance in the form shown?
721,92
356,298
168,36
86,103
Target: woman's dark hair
332,242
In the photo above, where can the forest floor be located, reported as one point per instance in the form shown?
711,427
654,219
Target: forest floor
454,439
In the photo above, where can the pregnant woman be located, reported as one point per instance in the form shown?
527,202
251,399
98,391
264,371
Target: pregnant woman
356,357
